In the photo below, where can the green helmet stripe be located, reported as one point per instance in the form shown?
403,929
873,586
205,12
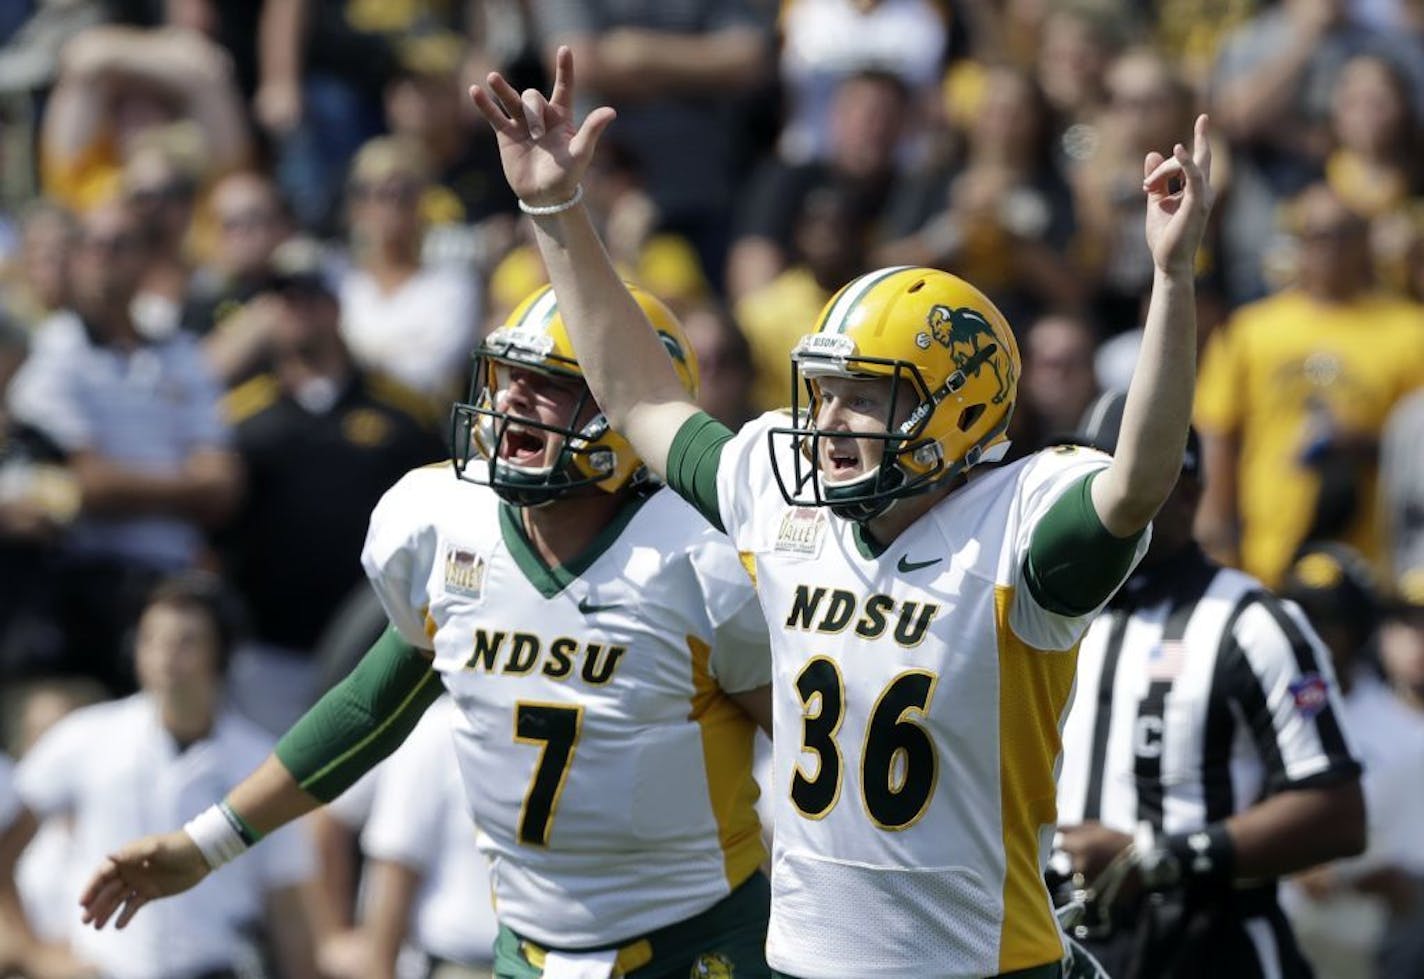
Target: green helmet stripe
838,316
540,312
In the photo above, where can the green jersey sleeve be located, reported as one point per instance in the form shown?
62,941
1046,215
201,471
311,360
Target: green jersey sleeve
362,719
693,458
1074,564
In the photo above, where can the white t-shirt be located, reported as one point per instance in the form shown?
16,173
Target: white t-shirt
117,772
606,767
919,699
421,334
419,820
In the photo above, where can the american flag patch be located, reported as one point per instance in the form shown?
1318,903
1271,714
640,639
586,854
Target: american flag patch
1311,694
1165,661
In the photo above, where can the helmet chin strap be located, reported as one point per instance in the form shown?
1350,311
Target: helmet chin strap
862,512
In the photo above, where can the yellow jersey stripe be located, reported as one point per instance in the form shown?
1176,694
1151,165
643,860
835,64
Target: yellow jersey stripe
748,560
1033,694
727,738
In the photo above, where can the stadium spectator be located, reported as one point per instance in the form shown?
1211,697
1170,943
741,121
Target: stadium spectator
138,421
1401,644
1271,91
164,750
35,284
1343,910
160,181
45,873
117,83
826,41
1376,162
1005,217
672,71
320,440
414,321
1147,103
1079,43
1058,382
828,247
227,306
868,119
1402,484
724,363
1402,639
425,104
1293,396
39,498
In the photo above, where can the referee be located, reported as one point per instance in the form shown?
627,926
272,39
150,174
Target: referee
1203,759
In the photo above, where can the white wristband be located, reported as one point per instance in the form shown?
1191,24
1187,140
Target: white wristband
543,211
215,837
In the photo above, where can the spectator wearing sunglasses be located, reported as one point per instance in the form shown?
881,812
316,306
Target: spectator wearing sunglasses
137,419
401,315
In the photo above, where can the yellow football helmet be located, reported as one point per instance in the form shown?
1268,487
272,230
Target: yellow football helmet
592,454
955,367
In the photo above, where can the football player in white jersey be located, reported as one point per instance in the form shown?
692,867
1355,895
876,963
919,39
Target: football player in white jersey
608,661
924,611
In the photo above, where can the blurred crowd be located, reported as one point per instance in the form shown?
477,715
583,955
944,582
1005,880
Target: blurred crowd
246,250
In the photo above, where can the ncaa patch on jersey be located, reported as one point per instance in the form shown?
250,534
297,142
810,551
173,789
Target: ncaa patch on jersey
801,532
712,965
464,572
1311,694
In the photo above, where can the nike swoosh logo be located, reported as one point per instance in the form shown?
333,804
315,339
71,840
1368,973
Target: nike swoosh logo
906,565
586,607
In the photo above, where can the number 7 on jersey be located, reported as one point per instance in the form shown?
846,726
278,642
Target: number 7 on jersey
555,729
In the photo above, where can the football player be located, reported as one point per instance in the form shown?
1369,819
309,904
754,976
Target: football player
609,664
925,606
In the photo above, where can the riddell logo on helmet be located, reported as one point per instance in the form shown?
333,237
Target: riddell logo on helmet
971,343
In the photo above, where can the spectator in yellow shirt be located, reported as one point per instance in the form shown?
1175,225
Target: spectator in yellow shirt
1293,396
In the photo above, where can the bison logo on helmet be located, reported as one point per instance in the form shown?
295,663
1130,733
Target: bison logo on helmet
971,343
712,965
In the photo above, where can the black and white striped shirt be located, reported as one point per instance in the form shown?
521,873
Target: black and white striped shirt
1198,694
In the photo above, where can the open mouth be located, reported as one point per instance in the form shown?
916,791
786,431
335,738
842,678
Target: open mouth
522,446
840,462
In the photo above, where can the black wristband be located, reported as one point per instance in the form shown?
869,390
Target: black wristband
1204,855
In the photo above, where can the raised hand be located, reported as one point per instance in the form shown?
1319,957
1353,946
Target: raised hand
1176,219
153,867
543,152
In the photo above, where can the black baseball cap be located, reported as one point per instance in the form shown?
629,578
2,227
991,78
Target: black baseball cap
1102,422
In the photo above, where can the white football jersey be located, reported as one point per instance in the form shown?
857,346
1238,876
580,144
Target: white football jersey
608,771
919,698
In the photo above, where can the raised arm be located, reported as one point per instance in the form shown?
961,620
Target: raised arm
545,155
1159,400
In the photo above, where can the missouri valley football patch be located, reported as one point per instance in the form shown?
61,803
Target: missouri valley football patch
464,572
801,532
